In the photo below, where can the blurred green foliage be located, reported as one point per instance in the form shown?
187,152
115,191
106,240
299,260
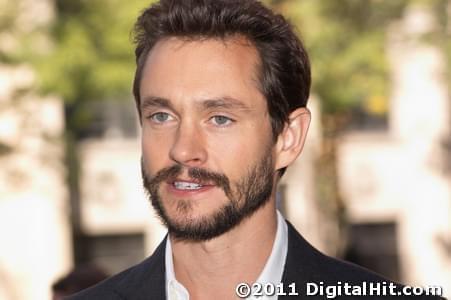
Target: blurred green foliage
346,41
92,58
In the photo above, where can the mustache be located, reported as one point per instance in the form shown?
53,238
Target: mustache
202,175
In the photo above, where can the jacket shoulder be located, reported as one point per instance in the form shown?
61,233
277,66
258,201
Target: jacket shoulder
305,265
144,280
306,262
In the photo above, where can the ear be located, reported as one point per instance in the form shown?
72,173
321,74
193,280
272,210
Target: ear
291,140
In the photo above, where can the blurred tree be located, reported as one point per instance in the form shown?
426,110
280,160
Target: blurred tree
92,59
346,43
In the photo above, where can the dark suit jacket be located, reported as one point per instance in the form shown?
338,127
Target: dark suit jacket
303,264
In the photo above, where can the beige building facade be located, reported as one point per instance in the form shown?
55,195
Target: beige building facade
401,176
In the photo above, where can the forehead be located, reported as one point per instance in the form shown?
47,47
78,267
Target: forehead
180,69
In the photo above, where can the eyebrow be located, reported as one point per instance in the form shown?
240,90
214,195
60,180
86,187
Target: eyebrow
152,101
221,102
224,102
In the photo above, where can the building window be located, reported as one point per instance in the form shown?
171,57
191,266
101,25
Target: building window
364,120
110,119
374,246
113,253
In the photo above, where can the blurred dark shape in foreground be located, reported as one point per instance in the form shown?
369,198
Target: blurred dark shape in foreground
80,278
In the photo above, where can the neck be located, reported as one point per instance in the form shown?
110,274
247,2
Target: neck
212,269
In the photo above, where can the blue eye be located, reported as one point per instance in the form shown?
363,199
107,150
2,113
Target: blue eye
160,117
221,120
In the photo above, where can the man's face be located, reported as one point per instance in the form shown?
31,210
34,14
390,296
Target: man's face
206,136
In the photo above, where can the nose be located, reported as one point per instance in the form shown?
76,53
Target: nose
188,148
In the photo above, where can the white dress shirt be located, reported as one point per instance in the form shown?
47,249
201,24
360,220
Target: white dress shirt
272,272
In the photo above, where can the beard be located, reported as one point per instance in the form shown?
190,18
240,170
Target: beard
249,193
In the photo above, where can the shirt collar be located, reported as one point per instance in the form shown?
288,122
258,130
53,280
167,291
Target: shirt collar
272,272
174,289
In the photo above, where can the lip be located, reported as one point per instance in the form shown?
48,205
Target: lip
184,180
187,193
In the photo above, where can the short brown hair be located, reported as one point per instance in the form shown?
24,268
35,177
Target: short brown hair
284,70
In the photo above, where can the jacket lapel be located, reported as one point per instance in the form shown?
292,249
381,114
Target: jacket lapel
147,280
294,264
301,264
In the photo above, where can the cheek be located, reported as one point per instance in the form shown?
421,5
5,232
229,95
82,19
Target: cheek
236,154
154,151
